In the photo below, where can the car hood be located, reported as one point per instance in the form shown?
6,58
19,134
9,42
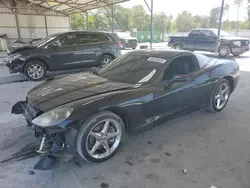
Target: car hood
234,38
65,89
18,47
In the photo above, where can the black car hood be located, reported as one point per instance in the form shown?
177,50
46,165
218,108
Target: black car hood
234,38
67,89
19,47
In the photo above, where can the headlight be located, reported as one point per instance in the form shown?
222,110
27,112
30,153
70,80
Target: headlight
52,117
13,57
237,43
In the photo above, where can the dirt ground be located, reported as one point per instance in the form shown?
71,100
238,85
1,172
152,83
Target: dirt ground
213,149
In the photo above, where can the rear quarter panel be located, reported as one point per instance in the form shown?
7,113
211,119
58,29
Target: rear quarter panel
178,40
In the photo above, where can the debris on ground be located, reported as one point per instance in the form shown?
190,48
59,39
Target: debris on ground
149,142
31,172
213,186
184,171
168,154
104,185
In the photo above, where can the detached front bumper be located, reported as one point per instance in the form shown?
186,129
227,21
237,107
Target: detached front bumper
57,143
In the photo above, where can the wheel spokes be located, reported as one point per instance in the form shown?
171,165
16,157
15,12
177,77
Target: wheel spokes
113,134
105,127
95,147
96,135
106,146
218,102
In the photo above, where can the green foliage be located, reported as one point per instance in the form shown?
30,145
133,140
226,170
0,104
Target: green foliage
137,17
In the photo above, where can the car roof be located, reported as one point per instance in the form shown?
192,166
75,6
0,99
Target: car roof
86,32
164,53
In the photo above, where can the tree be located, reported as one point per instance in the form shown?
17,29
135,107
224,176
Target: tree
214,17
184,22
238,3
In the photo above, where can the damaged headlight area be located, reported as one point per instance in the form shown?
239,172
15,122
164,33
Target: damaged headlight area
13,57
53,118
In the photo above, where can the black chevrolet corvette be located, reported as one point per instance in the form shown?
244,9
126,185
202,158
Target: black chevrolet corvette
89,114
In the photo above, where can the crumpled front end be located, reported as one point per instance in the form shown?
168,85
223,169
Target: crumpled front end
57,143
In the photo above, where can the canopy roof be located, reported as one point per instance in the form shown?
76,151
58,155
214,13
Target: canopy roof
73,6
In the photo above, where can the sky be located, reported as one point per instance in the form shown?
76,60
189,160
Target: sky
196,7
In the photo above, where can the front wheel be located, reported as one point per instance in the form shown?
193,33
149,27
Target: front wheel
178,47
100,137
224,51
220,96
35,70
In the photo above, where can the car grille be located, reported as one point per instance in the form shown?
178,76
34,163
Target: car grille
132,41
245,43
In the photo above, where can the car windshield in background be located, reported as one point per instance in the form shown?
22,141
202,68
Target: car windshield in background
222,33
123,34
132,69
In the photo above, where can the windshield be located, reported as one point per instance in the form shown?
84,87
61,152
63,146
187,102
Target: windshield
45,40
123,34
222,33
132,68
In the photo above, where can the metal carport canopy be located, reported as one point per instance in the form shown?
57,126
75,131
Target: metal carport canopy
69,7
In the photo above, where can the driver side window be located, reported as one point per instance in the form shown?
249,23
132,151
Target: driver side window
67,40
180,66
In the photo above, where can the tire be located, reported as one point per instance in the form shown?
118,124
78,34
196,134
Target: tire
213,103
40,67
224,51
105,60
92,133
178,47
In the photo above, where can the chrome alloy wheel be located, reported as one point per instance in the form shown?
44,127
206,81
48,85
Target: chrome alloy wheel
106,61
104,138
221,96
35,71
223,51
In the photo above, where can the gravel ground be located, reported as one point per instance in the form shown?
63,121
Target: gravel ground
212,148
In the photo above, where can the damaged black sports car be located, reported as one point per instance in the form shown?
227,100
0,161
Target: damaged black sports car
90,114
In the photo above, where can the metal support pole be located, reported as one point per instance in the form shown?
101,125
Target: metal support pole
46,26
87,20
218,35
17,26
112,14
151,25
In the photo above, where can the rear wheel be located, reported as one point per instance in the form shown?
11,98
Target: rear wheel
35,70
105,60
220,96
178,47
100,137
224,51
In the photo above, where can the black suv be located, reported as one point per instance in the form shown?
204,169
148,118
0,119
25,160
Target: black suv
63,51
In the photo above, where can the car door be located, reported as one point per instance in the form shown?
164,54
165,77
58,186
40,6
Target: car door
89,49
192,39
209,40
177,91
62,55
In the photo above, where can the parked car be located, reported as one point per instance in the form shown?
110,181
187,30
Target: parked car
63,51
205,40
90,114
126,40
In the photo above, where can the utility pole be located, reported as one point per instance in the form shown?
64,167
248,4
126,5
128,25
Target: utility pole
218,35
151,21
